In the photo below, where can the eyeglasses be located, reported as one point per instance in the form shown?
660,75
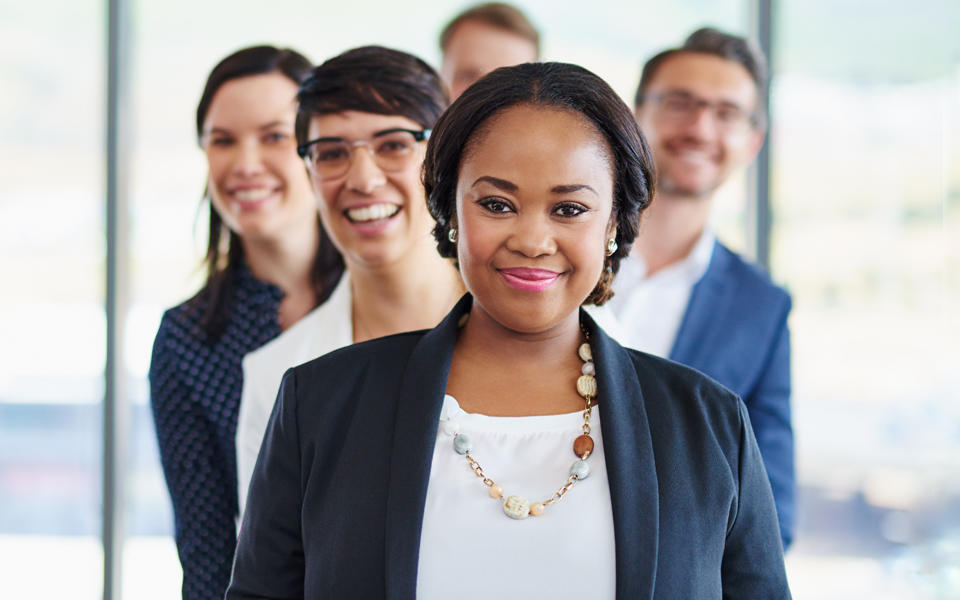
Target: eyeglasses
391,149
683,108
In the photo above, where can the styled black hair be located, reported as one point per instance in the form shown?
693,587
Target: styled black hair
708,40
372,79
223,257
556,85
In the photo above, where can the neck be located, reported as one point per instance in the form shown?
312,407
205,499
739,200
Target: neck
489,342
407,295
287,261
670,229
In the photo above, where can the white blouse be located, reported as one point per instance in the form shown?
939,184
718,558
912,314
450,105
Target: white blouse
470,549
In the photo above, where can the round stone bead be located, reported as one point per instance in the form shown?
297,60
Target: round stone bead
517,507
462,443
583,446
588,368
496,491
580,469
536,509
584,352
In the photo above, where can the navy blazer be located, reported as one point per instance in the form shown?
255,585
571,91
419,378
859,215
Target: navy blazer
735,331
337,497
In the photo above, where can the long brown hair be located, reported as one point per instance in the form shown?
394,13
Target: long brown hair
224,254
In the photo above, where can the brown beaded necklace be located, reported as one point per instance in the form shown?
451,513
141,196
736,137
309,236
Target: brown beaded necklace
518,507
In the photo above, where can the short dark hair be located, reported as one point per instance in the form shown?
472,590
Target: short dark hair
554,85
222,261
708,40
495,14
372,79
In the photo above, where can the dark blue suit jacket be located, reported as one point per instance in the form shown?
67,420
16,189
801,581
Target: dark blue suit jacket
735,331
337,498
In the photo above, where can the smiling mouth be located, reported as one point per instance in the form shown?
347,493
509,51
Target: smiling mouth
252,195
529,280
373,212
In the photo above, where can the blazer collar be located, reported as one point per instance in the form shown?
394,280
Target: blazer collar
631,470
414,437
627,444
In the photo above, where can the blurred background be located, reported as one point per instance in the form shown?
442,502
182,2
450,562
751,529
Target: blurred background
865,233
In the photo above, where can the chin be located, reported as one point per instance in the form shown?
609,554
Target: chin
526,316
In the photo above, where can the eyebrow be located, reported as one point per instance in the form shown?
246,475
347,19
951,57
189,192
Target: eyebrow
508,186
722,102
270,125
502,184
574,187
382,132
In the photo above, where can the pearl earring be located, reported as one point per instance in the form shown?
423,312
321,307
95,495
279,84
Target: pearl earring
452,235
611,246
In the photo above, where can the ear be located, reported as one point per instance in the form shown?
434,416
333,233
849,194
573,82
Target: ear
754,144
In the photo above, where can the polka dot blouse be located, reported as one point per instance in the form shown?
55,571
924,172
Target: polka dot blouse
195,393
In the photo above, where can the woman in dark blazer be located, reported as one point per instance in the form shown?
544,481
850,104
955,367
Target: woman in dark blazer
395,468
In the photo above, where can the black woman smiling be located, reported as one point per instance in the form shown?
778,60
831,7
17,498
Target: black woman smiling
515,449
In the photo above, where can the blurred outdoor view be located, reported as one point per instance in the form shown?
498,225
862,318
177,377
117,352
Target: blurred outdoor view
865,154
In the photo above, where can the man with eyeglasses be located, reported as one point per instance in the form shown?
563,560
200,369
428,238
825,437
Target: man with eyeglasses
684,295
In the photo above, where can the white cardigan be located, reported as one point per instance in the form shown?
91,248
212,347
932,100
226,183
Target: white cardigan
324,329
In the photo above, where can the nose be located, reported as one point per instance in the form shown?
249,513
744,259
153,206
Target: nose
702,123
363,174
532,237
248,159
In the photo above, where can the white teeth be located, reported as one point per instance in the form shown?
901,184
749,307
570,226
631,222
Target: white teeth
697,157
372,212
253,195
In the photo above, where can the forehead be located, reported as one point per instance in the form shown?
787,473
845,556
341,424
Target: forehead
539,146
255,99
707,76
354,124
477,40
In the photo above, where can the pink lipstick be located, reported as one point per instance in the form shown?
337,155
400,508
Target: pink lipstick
529,280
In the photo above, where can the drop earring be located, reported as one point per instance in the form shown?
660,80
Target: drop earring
452,235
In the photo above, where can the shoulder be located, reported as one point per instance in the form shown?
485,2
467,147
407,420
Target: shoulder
342,369
178,327
674,393
750,279
292,346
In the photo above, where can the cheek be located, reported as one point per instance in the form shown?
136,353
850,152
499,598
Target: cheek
218,166
409,184
328,192
591,255
475,249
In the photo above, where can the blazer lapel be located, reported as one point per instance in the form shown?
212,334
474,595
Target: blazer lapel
631,469
414,437
703,322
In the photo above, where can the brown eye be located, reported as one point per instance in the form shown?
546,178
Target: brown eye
495,205
569,210
331,154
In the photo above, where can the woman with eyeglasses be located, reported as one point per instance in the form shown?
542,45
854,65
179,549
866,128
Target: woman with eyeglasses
515,450
268,264
363,121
